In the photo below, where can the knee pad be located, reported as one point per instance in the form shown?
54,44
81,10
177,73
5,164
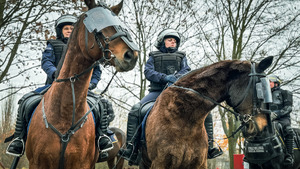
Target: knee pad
289,132
135,110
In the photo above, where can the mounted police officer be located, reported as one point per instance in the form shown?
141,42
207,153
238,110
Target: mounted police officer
281,109
52,55
55,50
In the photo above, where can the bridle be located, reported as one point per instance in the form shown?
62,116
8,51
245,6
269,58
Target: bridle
107,53
244,118
96,29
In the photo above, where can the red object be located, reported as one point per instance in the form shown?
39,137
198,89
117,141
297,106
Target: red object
238,161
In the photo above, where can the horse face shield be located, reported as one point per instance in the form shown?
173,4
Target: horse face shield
263,90
102,17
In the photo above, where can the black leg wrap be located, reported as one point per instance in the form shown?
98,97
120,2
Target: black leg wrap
104,142
17,146
289,143
208,123
213,152
130,153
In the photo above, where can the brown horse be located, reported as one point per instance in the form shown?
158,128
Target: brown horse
175,132
114,161
54,128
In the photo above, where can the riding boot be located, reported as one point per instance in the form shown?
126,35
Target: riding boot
17,146
132,126
289,142
104,142
213,152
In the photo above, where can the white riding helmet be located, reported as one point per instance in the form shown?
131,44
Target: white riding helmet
274,78
61,22
167,33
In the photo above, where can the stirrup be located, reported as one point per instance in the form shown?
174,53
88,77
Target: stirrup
290,162
125,154
107,149
14,154
216,153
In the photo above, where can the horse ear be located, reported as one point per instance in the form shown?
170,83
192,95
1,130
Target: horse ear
117,8
90,3
264,64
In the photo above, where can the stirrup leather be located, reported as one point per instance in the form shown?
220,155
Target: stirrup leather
14,154
107,149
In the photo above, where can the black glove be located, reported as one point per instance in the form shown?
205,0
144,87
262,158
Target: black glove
92,86
273,116
53,75
170,78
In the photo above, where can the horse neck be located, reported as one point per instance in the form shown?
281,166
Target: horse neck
212,86
60,94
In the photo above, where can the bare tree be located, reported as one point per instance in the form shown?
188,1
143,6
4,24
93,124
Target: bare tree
24,29
250,30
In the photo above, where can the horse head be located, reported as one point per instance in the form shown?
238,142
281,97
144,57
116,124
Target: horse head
246,98
103,37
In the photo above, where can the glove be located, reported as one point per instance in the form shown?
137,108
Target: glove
273,116
53,75
92,86
178,75
170,78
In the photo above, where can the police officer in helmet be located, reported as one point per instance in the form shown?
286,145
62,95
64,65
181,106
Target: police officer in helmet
55,49
281,108
162,67
50,59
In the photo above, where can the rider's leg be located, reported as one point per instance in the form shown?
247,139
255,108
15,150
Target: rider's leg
104,142
26,104
289,142
213,152
132,126
17,146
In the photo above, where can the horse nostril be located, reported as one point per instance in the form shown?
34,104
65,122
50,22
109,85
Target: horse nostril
128,55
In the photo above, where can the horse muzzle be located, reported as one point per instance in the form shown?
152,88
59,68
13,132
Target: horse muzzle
127,63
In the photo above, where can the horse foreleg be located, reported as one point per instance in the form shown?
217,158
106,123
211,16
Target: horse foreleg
111,163
120,163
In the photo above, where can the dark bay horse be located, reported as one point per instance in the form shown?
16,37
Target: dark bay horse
114,161
175,134
265,149
62,122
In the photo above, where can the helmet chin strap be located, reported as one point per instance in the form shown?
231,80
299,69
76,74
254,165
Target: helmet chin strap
172,49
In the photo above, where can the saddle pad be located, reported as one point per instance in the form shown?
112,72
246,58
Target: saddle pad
144,124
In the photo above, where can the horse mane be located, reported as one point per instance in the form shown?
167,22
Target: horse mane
235,67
